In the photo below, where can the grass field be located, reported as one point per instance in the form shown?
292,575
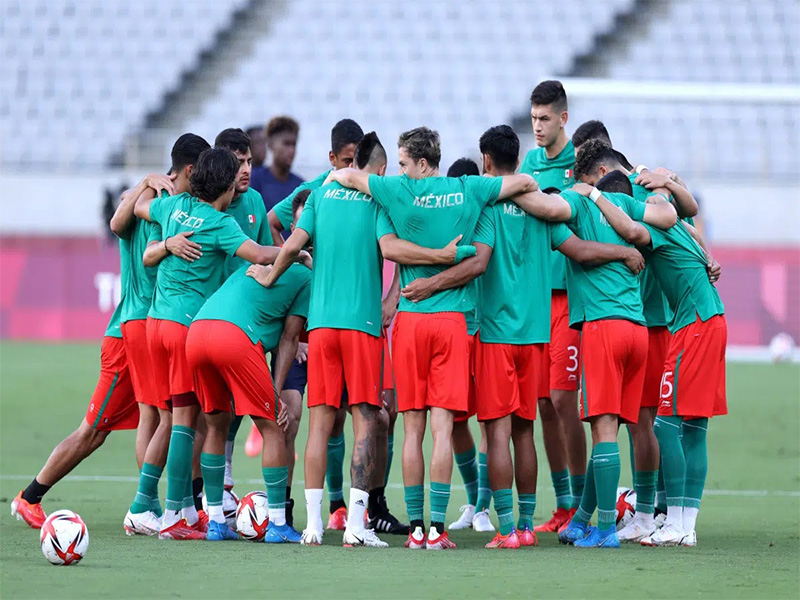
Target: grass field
749,526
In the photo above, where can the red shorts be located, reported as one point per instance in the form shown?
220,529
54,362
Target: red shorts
225,363
387,377
693,384
431,353
508,379
171,373
614,353
472,395
113,404
563,352
657,346
134,335
339,357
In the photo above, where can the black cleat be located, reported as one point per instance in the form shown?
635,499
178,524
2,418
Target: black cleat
290,512
386,522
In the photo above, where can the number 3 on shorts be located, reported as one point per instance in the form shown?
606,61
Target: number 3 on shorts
573,357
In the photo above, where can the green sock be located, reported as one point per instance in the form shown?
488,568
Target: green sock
606,480
188,495
334,474
468,467
561,486
696,453
440,498
527,506
632,454
179,466
576,483
661,494
148,488
484,489
234,428
673,462
415,501
275,479
389,460
589,497
213,467
644,484
504,506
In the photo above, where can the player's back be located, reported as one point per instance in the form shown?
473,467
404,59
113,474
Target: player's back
141,280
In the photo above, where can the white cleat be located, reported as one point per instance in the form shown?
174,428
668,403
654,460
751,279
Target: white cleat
465,520
311,538
660,519
366,538
669,535
481,522
146,523
635,531
690,539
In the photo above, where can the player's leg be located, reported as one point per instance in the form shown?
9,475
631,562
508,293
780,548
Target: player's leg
526,471
555,450
413,460
380,518
276,475
645,475
334,473
501,478
565,403
212,461
148,423
320,425
155,458
229,445
466,459
201,429
293,401
481,521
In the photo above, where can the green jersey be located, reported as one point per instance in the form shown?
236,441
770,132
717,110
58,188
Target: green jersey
258,311
249,212
431,212
656,308
515,297
283,209
142,280
113,329
347,278
473,316
679,265
181,286
609,291
557,172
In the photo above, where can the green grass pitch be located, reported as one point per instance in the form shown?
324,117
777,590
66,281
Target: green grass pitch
748,530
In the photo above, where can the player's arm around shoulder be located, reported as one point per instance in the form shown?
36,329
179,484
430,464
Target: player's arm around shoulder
456,276
620,220
548,207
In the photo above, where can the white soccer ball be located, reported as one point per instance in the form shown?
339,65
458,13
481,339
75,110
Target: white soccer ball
252,516
781,347
626,506
230,503
64,538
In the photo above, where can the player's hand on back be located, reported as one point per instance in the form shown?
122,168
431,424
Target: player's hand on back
450,251
418,290
652,180
634,261
181,246
305,258
584,189
302,352
260,273
714,269
388,311
160,182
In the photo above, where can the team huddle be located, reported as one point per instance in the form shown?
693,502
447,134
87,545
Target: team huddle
573,285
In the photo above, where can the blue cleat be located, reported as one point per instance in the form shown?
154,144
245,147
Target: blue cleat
219,532
599,539
282,534
574,531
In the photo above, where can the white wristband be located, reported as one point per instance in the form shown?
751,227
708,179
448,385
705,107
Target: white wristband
640,168
595,195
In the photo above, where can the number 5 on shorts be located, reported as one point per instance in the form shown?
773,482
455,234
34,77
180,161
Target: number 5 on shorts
666,384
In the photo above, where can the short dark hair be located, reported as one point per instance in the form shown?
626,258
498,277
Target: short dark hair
186,150
214,173
502,145
282,124
234,139
345,132
591,130
422,143
550,92
369,151
299,200
463,166
615,181
551,190
593,154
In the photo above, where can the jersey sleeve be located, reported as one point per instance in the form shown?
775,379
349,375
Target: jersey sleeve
559,233
633,208
301,300
486,190
572,198
159,209
383,224
384,189
229,236
154,232
264,236
485,230
283,210
307,217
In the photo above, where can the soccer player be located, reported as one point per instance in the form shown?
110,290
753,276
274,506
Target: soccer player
430,341
551,164
181,289
693,383
277,181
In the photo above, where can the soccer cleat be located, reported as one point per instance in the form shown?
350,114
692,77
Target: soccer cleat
284,534
690,539
201,524
575,531
597,539
527,537
290,512
668,535
366,538
510,541
385,522
660,519
440,541
146,523
180,530
570,513
218,532
32,514
635,531
310,537
481,522
338,519
560,516
465,520
416,539
252,447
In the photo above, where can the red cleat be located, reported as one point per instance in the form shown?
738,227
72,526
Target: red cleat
510,541
570,513
416,540
440,542
32,514
252,447
201,524
527,537
181,531
338,519
559,518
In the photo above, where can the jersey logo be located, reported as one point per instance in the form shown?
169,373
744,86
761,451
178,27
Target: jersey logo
439,200
568,174
252,220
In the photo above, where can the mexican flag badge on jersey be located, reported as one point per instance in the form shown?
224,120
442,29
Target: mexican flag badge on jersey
252,220
568,173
